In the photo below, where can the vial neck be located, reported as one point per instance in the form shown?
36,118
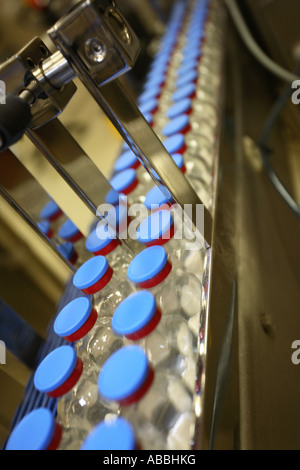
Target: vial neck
70,382
147,329
99,285
85,328
158,278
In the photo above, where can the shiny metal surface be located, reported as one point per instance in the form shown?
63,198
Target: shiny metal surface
56,70
17,73
16,191
150,150
71,162
70,35
95,36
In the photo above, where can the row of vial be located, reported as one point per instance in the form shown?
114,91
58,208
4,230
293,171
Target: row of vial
127,379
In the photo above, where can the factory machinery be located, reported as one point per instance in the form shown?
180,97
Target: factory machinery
177,329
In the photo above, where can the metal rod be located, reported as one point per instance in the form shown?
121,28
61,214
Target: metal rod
32,224
77,169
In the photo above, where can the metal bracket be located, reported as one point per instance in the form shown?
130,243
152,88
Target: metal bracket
18,73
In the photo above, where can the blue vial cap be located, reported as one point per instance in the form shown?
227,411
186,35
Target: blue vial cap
49,210
99,238
156,80
176,125
163,55
148,106
184,91
44,226
112,197
174,143
192,57
112,434
72,317
122,180
178,159
134,313
34,432
147,95
125,161
188,77
66,249
55,369
117,214
68,230
90,272
180,107
186,68
148,117
124,372
147,264
154,226
158,67
156,197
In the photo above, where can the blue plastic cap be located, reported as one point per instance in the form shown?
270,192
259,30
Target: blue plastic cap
186,68
113,434
124,372
126,160
50,209
112,197
184,91
68,230
114,215
147,264
155,80
99,238
180,107
148,117
148,95
191,58
34,432
90,272
178,159
44,226
176,125
154,226
188,77
148,106
156,197
55,369
174,143
117,214
72,317
123,180
158,70
66,249
134,313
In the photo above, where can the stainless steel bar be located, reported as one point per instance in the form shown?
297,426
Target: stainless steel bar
144,142
10,191
57,71
78,170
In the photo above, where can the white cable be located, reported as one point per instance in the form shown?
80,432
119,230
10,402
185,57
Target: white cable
253,46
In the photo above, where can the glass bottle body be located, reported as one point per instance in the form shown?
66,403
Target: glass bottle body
81,408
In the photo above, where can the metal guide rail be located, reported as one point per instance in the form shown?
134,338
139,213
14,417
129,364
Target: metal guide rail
169,160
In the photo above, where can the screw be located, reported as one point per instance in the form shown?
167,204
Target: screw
95,50
266,323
